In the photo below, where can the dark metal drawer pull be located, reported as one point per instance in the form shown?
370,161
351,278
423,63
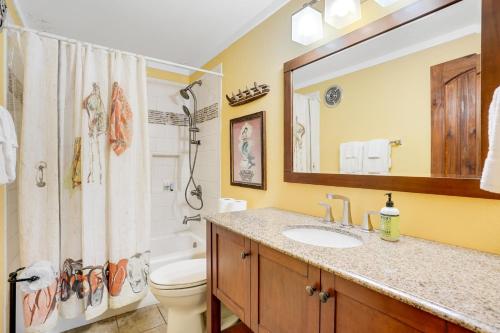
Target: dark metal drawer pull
324,296
310,290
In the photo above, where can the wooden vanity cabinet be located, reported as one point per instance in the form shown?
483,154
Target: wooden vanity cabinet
284,293
275,293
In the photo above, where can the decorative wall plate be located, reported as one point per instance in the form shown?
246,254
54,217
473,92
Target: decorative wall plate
333,96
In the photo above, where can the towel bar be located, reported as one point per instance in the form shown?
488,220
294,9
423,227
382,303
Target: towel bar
396,142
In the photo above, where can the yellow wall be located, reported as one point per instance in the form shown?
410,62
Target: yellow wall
259,56
390,100
168,76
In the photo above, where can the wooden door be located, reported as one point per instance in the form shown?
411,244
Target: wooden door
328,295
284,293
456,118
231,271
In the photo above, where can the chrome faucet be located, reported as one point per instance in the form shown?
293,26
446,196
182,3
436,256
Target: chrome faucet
346,213
328,212
191,218
367,222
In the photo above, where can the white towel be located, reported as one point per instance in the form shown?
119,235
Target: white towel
45,273
8,151
351,157
490,181
377,157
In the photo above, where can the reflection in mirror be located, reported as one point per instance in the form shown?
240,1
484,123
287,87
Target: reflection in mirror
405,103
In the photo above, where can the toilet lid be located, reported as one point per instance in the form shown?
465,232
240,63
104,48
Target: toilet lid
181,274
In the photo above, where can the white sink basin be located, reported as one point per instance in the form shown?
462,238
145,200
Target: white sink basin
322,237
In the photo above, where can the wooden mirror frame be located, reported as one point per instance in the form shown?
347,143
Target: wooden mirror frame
490,64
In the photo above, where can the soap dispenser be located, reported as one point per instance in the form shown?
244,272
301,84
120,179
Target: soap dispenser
389,221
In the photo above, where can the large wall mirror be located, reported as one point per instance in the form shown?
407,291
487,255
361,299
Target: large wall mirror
394,105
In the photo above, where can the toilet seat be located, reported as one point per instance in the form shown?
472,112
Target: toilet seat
180,275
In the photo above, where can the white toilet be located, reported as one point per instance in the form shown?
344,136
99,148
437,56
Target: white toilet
181,287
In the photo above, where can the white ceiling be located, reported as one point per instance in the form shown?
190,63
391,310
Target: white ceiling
456,21
185,31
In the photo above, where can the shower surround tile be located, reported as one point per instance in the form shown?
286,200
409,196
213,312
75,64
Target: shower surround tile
158,117
167,118
207,113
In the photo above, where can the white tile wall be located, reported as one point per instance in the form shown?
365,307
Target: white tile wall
168,155
170,164
164,215
207,171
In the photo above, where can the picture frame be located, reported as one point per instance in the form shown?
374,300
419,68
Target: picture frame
248,151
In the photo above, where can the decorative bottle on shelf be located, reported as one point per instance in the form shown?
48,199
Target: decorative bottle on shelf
389,221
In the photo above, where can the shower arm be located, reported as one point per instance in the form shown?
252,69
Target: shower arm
195,107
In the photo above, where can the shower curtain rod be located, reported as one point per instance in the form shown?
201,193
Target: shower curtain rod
150,59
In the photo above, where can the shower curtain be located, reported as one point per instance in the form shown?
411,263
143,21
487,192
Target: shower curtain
306,133
85,114
39,205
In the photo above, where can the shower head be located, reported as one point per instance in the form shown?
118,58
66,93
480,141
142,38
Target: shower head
186,111
184,91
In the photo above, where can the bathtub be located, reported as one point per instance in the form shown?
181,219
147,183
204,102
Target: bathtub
175,247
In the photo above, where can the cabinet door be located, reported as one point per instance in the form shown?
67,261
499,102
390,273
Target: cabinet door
327,298
280,299
358,309
231,271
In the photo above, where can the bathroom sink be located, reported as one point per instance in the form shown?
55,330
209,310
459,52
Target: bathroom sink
325,237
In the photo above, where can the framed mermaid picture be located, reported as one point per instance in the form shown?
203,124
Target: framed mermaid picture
248,150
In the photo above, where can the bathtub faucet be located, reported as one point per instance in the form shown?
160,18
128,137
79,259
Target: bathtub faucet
191,218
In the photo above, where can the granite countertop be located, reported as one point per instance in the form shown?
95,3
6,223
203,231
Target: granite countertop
457,284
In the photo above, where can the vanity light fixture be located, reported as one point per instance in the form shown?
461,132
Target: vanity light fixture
340,13
307,24
385,3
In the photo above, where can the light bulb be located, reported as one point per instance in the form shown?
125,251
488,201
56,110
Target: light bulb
307,26
340,13
343,8
385,3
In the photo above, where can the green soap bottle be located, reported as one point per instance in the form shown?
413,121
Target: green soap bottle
389,221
